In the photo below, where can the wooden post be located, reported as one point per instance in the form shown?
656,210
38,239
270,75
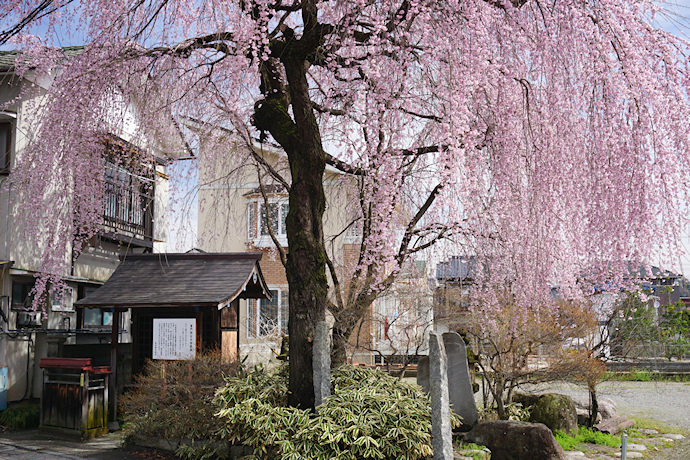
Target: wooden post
106,401
43,399
236,305
84,398
164,375
199,330
114,341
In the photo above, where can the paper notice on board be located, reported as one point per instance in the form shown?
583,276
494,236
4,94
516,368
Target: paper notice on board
174,338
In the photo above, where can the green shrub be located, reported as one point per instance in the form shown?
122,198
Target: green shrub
21,416
369,415
174,399
586,435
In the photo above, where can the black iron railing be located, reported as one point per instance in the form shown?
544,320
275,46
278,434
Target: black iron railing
128,203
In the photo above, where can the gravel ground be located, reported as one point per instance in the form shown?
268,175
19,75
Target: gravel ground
679,451
668,402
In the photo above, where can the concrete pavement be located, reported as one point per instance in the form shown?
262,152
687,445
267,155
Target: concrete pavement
40,445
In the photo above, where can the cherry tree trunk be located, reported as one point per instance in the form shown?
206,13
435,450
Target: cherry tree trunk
346,323
341,336
306,260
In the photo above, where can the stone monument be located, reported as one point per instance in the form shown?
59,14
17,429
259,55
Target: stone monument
460,390
441,429
321,362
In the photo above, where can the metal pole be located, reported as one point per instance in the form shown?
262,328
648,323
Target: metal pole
624,445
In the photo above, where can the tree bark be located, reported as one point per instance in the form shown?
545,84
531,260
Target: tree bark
305,269
306,260
594,406
341,336
346,321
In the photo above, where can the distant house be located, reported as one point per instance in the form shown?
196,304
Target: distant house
237,208
134,220
455,278
403,317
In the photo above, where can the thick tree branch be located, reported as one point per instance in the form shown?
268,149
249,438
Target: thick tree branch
217,41
319,108
336,286
420,150
342,166
424,116
413,222
502,3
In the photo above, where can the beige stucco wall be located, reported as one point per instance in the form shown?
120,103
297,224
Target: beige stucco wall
224,181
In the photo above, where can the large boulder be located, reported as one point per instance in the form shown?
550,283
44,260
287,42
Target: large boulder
512,440
555,411
606,407
526,399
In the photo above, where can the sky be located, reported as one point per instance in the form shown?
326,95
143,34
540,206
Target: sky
183,205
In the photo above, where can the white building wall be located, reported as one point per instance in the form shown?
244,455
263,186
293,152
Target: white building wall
20,347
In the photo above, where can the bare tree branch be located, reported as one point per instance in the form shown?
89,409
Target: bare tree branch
43,9
404,244
279,247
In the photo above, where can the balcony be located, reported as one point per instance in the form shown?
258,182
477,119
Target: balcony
128,211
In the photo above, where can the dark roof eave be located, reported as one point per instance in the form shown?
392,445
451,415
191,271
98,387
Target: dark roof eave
194,255
82,304
251,284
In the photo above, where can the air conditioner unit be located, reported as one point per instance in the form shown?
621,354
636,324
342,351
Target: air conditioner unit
28,318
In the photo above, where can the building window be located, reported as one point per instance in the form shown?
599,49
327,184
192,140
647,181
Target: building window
251,220
128,201
5,146
96,317
261,217
268,317
277,213
62,299
22,297
353,233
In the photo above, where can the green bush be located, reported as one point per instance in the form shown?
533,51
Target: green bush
174,399
21,416
369,415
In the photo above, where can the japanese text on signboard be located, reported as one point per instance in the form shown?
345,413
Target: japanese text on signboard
174,338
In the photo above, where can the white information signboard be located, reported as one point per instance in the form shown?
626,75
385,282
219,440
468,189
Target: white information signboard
174,338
